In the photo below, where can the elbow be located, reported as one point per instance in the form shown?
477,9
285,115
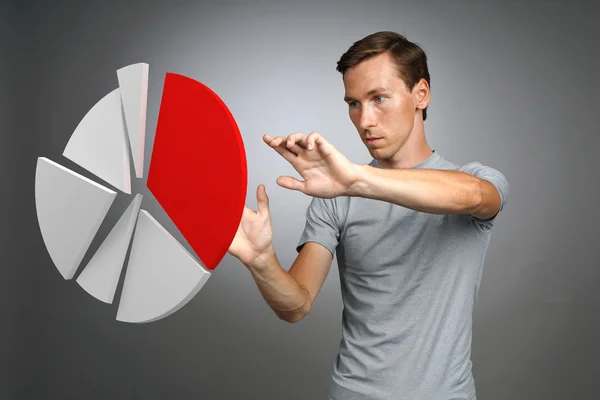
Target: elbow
297,314
292,316
477,200
472,202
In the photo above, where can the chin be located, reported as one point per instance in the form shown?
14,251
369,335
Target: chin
379,154
382,151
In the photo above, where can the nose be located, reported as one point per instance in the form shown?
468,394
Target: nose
367,117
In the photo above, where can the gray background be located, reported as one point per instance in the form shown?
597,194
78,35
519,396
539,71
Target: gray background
514,86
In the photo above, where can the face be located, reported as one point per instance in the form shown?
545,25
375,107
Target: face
381,108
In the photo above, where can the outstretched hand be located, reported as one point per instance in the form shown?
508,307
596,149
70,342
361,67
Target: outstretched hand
254,235
327,173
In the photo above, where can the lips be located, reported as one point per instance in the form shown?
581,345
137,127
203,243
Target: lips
372,139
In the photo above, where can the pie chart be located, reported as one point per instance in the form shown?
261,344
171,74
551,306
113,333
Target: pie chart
198,174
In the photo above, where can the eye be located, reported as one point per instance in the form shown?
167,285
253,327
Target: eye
379,97
353,104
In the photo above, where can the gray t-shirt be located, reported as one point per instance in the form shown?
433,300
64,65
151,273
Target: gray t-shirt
409,281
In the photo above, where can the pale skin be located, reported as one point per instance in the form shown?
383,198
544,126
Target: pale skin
380,106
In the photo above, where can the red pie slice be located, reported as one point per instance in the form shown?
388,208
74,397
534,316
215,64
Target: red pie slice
198,169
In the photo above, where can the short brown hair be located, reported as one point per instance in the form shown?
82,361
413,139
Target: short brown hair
409,57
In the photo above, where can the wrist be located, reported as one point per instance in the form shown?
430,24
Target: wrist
358,186
263,259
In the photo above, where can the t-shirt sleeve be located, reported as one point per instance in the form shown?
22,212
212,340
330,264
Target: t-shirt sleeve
322,225
497,179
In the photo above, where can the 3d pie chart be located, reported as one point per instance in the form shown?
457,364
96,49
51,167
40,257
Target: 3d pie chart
197,173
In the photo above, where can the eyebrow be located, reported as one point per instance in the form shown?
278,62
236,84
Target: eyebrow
369,93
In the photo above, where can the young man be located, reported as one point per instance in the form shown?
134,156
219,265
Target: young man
411,230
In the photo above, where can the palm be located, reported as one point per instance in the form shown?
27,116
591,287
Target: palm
254,234
326,172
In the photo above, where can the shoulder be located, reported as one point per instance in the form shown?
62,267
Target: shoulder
332,209
335,207
488,173
479,170
497,179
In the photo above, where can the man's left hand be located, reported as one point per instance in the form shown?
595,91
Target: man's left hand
327,173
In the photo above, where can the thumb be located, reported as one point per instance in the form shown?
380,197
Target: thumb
291,183
262,200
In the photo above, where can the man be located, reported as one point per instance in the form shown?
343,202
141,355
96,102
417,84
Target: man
410,229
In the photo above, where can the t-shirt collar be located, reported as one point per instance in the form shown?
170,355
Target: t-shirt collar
427,163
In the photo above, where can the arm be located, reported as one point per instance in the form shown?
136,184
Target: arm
327,173
291,294
427,190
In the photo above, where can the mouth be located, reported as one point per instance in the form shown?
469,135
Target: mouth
372,140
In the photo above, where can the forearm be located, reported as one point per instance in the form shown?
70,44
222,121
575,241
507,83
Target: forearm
289,300
425,190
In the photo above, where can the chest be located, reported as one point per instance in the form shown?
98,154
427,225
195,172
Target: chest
376,235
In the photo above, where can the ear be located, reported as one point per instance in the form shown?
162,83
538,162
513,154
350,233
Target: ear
422,94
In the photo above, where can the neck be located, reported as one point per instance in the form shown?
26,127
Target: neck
413,151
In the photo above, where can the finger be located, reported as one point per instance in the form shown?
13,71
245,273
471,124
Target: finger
296,148
313,139
262,200
289,155
296,143
296,139
291,183
317,140
268,138
277,141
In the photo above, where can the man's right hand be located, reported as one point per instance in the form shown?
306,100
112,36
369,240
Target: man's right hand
254,236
